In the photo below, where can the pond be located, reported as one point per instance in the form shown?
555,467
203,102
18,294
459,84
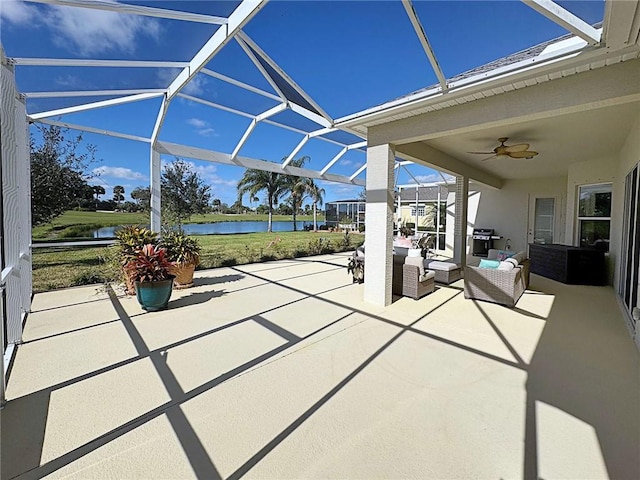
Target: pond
220,228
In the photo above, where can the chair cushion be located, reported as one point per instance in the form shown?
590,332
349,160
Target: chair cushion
416,261
436,265
428,274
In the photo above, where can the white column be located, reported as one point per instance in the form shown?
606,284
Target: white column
379,225
156,219
460,232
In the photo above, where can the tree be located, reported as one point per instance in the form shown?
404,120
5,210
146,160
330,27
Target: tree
142,196
362,194
216,204
297,189
98,190
118,194
315,194
184,192
275,186
58,173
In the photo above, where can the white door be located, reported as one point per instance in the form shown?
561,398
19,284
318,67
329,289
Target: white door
542,219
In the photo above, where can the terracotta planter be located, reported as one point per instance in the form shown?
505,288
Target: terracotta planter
129,283
184,275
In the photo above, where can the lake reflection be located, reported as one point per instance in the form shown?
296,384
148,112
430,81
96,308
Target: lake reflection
220,228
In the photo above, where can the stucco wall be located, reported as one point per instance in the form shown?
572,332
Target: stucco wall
507,210
628,157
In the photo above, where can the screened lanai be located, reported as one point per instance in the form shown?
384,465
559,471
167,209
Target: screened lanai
248,76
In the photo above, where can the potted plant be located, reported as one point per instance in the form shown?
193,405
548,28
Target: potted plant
184,253
131,239
149,270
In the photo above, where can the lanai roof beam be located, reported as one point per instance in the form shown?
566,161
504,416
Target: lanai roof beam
240,84
243,37
225,158
257,119
424,41
94,105
100,131
137,10
84,62
565,19
238,19
156,92
358,172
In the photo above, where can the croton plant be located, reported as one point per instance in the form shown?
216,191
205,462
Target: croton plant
149,265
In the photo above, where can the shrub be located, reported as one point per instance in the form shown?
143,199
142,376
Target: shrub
180,247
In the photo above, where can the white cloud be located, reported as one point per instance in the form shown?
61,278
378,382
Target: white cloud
202,127
91,31
166,76
119,172
18,13
196,85
67,81
196,122
433,177
345,162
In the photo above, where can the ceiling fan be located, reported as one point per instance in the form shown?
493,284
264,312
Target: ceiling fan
521,150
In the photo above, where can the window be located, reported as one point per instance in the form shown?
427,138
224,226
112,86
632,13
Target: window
420,211
594,215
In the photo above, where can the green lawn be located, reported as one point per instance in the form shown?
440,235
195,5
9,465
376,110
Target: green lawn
73,224
65,267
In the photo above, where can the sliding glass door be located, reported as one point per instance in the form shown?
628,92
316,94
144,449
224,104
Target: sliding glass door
630,257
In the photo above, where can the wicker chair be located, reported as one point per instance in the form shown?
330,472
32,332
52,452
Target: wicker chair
498,286
413,286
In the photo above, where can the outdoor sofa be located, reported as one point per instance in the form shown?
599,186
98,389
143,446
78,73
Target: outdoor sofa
502,285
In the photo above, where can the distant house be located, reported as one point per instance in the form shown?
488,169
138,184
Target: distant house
345,212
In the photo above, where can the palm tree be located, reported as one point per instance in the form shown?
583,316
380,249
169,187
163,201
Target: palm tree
297,188
315,194
274,184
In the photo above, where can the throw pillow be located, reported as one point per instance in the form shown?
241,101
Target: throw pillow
504,254
513,261
489,263
506,266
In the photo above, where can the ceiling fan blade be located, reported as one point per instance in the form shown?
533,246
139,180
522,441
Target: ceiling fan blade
520,147
482,153
526,154
488,158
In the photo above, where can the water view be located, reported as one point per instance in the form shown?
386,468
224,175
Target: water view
220,228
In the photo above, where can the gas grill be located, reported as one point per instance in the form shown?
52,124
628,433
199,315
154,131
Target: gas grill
482,241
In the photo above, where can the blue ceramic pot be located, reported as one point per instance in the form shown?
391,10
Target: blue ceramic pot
154,296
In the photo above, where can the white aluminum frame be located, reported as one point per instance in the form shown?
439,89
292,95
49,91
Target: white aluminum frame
94,105
111,6
424,41
565,19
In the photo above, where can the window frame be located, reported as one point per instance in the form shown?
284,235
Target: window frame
581,219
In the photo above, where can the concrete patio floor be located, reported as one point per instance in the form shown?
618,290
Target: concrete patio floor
279,370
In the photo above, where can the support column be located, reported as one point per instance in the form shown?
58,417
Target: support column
156,219
460,229
379,225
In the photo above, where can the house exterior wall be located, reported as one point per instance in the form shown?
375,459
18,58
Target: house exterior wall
602,170
628,157
507,210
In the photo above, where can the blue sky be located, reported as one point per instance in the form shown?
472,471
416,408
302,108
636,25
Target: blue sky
347,56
